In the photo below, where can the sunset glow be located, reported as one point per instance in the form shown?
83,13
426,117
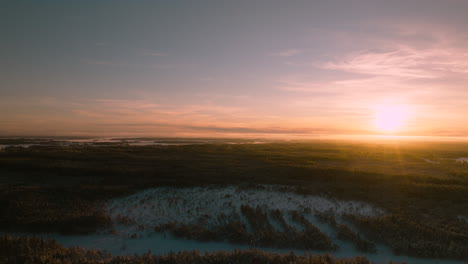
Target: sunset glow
389,119
231,69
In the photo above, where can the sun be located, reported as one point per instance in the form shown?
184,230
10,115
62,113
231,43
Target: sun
390,119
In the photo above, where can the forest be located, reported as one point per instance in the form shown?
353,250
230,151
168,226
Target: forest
421,187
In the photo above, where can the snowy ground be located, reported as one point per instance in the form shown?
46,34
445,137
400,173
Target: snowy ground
153,207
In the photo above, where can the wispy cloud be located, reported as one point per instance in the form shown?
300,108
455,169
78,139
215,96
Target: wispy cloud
103,62
405,62
127,64
286,53
148,52
156,54
221,129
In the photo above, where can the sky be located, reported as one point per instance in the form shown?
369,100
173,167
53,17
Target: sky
245,68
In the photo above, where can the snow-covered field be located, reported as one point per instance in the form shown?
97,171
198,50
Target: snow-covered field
153,207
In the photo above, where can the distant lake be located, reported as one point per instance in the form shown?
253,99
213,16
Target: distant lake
462,159
27,142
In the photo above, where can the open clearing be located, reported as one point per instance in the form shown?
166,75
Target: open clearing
158,206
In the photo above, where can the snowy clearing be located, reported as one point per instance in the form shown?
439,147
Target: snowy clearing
153,207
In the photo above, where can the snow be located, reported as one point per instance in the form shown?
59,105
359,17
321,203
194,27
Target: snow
154,207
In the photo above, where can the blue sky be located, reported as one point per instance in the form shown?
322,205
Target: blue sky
232,68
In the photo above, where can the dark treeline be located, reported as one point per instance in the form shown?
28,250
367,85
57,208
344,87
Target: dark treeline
414,238
263,234
232,230
63,210
347,234
312,236
23,250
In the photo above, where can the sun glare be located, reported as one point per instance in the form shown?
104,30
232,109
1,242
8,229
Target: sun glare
390,119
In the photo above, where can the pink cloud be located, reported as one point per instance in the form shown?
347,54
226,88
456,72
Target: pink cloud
405,62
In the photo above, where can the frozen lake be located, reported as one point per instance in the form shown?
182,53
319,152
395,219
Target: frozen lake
162,244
